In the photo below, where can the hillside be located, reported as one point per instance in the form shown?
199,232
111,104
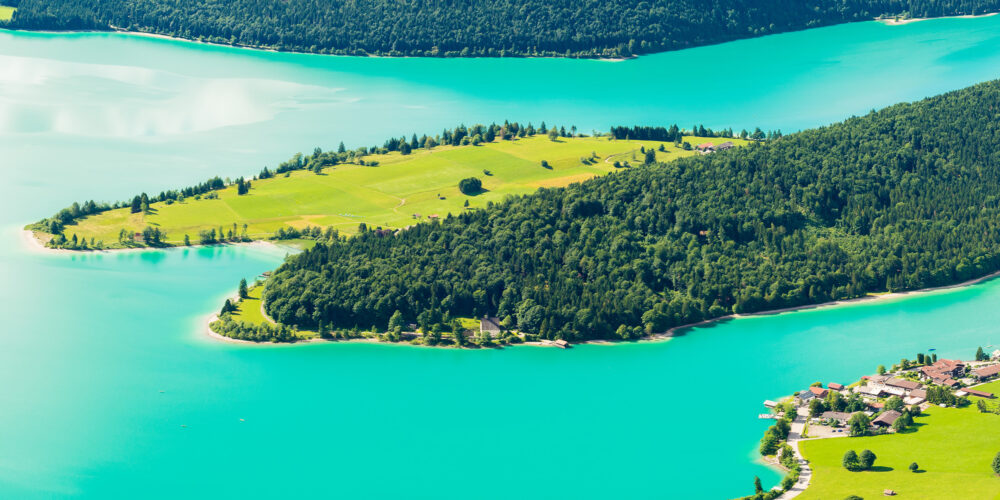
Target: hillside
904,198
463,28
400,191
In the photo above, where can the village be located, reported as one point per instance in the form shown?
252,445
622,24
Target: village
881,403
909,384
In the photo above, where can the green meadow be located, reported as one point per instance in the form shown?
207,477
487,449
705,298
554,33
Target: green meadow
400,191
6,13
953,448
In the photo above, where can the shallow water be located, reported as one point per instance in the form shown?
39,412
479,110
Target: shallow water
111,389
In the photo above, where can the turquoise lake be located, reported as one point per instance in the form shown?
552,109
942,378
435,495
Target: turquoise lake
111,389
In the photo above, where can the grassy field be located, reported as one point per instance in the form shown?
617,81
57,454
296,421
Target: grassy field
6,13
954,448
249,310
389,195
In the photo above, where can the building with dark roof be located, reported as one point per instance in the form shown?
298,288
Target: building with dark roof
908,385
886,419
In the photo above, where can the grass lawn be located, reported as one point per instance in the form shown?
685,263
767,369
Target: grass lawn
388,195
954,448
249,310
6,13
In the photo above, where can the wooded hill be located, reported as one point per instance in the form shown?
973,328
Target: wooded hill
904,198
587,28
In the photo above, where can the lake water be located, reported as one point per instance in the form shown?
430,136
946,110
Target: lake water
111,389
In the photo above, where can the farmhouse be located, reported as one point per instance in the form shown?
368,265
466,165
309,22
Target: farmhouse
725,145
705,147
886,419
489,325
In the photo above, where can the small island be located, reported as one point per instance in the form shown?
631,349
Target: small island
923,428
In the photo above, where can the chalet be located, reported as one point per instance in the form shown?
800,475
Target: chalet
838,416
138,238
877,406
951,367
936,376
886,419
562,344
490,325
918,393
833,386
705,147
987,372
433,216
725,145
906,385
819,392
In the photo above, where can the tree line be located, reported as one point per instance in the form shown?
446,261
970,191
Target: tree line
904,198
470,28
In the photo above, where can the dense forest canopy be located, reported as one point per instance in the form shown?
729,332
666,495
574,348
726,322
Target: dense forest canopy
904,198
583,28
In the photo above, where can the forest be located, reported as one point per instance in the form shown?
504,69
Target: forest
469,28
904,198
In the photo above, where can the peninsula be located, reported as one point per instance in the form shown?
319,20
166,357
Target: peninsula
403,182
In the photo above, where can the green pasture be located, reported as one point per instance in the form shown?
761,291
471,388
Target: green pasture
6,13
400,191
953,448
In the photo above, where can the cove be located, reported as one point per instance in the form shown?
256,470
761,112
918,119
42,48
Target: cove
112,390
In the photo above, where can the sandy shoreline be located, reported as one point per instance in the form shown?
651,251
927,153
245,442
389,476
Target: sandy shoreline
900,22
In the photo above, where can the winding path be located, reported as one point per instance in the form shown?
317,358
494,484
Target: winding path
805,472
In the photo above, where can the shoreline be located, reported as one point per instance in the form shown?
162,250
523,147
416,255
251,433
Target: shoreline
901,22
113,29
31,242
269,49
676,331
656,337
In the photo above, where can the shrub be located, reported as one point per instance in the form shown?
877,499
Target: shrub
470,186
850,461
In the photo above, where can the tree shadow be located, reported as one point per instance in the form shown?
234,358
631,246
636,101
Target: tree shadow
881,468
